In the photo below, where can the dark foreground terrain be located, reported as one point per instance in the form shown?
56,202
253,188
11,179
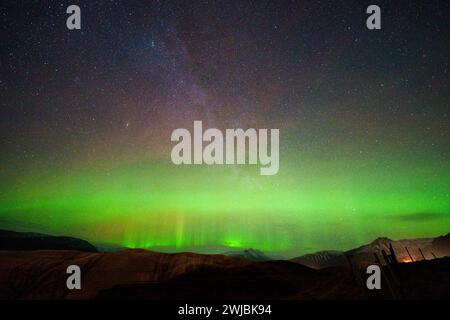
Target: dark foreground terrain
142,274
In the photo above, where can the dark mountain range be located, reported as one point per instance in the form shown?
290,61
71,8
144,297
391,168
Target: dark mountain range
11,240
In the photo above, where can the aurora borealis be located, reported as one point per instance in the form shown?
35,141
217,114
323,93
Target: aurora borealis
86,118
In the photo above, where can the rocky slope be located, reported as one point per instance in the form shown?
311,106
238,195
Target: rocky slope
431,248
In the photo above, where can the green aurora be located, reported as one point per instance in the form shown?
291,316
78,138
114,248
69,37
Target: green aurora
311,204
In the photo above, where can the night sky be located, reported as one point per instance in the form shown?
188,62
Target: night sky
86,118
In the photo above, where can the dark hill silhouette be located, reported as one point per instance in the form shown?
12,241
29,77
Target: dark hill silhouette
11,240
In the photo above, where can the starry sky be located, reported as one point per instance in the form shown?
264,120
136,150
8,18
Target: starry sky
86,118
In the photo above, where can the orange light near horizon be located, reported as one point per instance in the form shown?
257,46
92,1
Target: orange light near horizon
406,260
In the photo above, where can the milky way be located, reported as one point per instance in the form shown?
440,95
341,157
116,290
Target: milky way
86,118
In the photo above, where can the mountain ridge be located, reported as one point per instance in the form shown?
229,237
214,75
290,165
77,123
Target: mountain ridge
418,249
25,241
